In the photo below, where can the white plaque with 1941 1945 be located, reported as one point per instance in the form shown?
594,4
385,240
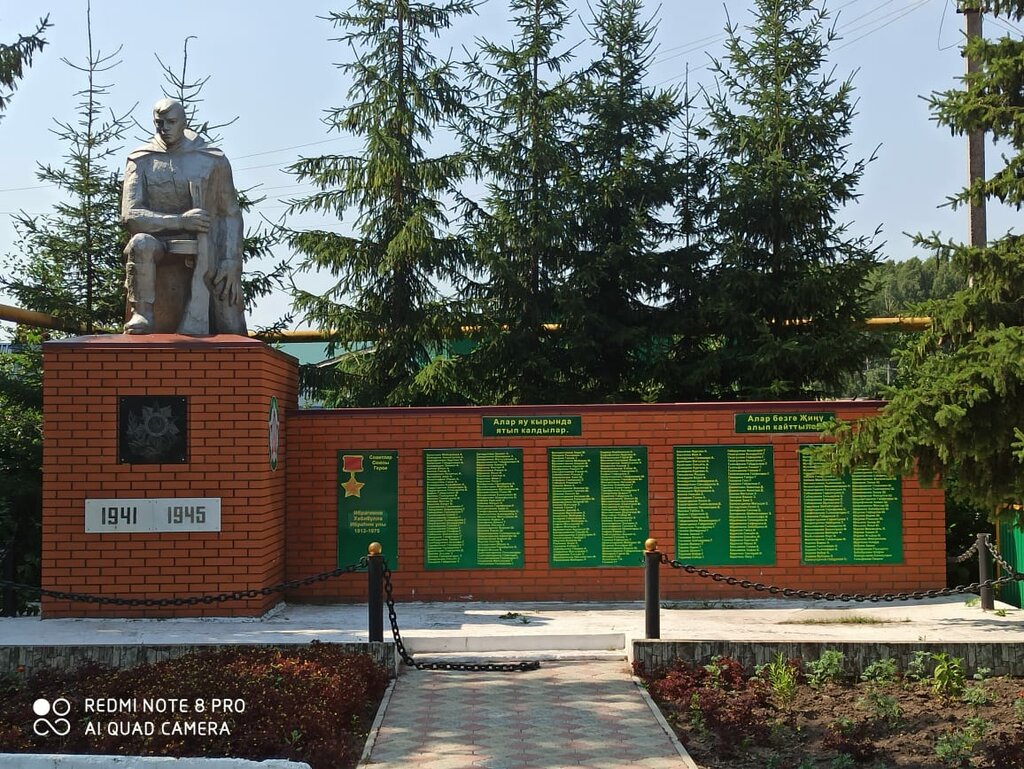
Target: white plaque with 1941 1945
119,516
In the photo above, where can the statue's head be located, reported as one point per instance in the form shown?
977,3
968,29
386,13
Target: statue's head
169,120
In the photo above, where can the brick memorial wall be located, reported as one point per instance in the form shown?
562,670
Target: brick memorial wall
92,451
489,503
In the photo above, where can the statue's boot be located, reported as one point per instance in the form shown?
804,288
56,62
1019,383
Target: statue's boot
141,321
141,283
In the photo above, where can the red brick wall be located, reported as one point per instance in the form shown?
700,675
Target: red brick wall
229,382
316,436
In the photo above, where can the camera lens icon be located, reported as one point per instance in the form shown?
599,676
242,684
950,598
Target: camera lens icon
59,726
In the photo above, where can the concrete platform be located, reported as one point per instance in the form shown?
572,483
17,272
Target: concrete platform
483,627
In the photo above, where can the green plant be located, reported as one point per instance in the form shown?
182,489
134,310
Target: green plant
883,707
781,676
977,695
883,671
917,668
1018,708
1000,612
828,668
843,761
850,738
955,748
948,677
981,674
972,602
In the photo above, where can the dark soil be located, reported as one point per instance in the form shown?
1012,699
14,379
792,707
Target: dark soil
846,724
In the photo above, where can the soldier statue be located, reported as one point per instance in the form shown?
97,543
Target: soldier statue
179,202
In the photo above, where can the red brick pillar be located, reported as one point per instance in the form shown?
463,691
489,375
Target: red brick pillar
226,385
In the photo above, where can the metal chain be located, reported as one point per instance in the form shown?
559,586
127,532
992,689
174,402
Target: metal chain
491,667
1007,568
817,595
237,595
967,554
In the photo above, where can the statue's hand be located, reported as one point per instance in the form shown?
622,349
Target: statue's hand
195,220
227,283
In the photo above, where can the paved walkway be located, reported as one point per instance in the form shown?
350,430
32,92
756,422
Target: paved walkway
580,713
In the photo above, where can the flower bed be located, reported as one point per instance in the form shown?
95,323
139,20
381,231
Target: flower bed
315,703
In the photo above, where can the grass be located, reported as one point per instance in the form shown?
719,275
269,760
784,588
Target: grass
847,619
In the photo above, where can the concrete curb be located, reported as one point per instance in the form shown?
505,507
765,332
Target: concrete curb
688,762
378,722
63,761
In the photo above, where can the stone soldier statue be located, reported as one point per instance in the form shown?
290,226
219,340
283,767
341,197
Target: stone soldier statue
179,201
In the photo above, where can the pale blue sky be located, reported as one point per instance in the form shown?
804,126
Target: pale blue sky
270,64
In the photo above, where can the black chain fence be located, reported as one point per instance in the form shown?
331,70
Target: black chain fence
787,592
236,595
965,556
490,667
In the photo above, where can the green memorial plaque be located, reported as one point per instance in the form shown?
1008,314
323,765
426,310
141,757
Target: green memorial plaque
597,512
367,504
725,505
517,427
473,508
795,422
853,518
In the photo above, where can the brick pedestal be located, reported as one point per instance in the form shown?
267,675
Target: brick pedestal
228,383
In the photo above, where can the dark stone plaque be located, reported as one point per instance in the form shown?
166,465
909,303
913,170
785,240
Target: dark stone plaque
153,430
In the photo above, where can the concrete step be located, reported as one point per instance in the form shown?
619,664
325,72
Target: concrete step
534,642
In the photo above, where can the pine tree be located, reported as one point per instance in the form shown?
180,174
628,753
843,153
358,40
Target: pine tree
787,291
389,270
522,230
628,179
71,263
14,57
957,412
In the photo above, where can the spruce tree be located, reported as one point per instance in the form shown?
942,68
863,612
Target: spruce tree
787,291
626,186
522,229
15,57
957,412
388,271
70,262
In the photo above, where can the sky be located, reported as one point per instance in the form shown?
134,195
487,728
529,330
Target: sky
271,66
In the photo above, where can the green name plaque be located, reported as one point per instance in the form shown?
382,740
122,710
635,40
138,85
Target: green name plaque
517,427
796,422
367,504
853,518
473,508
597,506
725,505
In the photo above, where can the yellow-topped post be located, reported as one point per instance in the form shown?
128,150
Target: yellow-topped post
374,591
652,600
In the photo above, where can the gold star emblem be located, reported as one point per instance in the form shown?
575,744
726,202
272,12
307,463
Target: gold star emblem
352,486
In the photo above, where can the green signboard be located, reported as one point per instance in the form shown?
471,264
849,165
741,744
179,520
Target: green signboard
853,518
597,506
725,505
367,504
473,508
517,427
796,422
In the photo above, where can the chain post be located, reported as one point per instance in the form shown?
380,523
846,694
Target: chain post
985,573
652,599
374,591
9,602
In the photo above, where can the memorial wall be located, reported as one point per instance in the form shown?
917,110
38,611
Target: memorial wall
555,503
183,467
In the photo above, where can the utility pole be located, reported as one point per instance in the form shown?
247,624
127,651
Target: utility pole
977,230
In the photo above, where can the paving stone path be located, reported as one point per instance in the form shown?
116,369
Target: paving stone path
581,713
